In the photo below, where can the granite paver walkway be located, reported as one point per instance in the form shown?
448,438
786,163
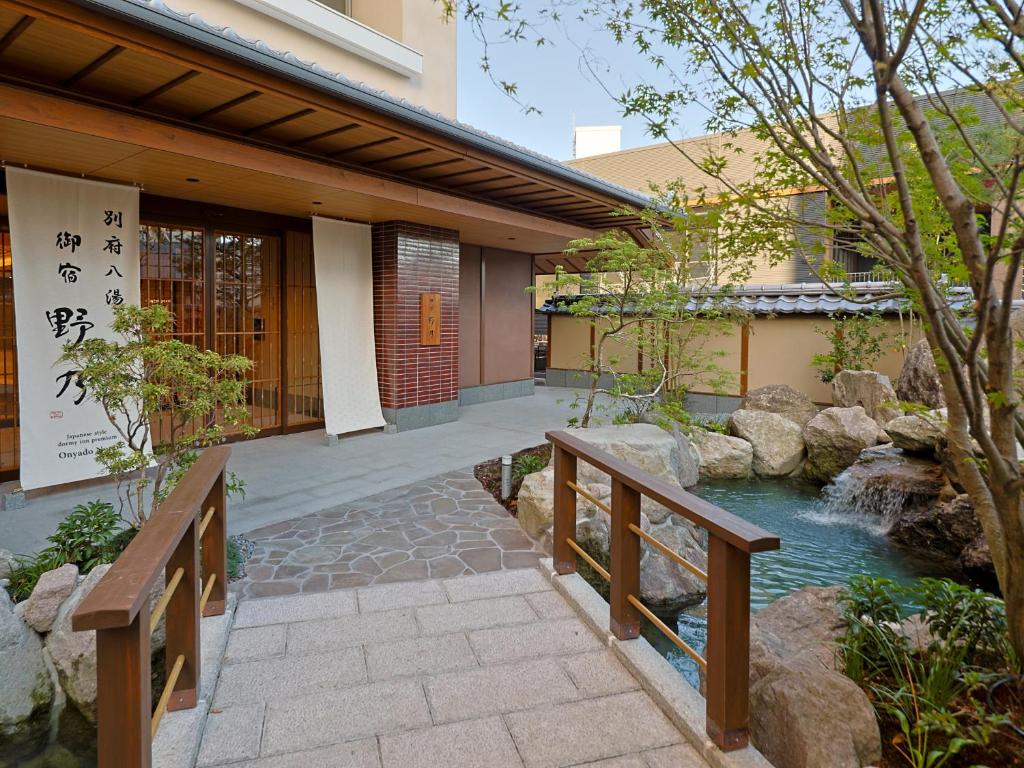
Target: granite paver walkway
486,671
441,527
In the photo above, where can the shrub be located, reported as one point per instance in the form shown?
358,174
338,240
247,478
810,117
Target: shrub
87,536
527,464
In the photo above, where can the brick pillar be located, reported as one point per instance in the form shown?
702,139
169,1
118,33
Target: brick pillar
419,385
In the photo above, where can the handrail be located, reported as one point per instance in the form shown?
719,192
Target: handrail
185,543
731,541
118,598
740,533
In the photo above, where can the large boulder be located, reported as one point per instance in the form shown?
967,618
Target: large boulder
870,390
668,588
775,441
724,457
666,455
944,528
783,400
917,433
7,562
919,378
52,589
834,439
535,503
25,689
74,653
803,712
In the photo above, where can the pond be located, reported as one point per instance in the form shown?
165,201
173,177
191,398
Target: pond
820,547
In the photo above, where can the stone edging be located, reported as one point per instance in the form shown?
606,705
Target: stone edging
681,703
177,741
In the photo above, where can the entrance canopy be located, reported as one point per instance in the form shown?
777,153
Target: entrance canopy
129,92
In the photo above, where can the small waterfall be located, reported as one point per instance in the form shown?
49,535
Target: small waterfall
876,490
59,698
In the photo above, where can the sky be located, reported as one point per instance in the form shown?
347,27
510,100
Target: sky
553,79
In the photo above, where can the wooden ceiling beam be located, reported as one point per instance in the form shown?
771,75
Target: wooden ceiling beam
68,114
576,208
279,121
360,147
160,90
93,65
208,113
521,199
15,32
456,174
480,181
436,164
323,135
393,158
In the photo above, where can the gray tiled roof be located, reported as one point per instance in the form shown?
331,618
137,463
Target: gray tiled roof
226,41
800,298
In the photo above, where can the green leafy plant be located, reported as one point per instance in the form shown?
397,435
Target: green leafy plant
144,376
856,344
88,536
27,569
527,464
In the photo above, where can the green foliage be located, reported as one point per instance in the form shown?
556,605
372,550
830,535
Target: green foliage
146,376
234,560
856,344
87,537
929,692
527,464
93,534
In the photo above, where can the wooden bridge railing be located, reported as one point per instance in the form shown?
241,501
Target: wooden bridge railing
185,541
731,541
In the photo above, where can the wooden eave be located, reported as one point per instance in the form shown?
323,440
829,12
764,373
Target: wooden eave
63,49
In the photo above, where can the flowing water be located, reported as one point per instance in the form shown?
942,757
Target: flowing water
826,539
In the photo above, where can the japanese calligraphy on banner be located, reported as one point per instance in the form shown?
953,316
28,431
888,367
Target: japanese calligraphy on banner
75,256
344,287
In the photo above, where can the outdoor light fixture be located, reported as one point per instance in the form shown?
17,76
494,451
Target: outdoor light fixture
506,477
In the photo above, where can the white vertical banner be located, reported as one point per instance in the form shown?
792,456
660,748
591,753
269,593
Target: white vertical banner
344,300
75,256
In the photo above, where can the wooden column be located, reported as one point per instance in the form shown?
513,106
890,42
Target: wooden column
625,570
565,512
728,645
183,619
123,698
744,358
215,548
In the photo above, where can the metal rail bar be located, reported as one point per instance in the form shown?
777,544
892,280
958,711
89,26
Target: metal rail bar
589,560
670,554
165,696
165,598
665,630
592,499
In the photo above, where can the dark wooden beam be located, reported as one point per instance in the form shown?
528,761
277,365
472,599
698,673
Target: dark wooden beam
92,66
323,135
205,115
514,186
402,156
481,181
528,198
433,165
15,32
279,121
574,207
367,145
160,90
457,173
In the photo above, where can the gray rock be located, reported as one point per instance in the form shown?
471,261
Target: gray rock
644,446
944,528
976,561
25,689
870,390
775,440
7,562
668,588
835,438
804,713
919,378
917,433
535,504
724,457
52,589
74,653
783,400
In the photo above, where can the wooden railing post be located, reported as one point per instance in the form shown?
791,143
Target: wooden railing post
123,697
215,548
728,644
183,619
625,570
564,526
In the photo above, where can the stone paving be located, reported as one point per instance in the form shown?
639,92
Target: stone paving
488,671
442,527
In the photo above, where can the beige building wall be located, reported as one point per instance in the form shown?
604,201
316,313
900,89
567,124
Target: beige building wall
416,24
779,352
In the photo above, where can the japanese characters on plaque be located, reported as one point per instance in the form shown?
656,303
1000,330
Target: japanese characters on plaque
75,256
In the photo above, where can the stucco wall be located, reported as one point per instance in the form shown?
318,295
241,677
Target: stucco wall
414,23
779,352
469,315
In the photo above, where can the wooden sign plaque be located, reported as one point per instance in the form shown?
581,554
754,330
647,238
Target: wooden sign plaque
430,319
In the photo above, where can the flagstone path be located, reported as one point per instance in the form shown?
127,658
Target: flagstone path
438,528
